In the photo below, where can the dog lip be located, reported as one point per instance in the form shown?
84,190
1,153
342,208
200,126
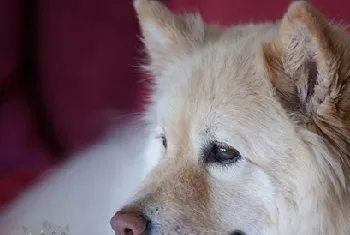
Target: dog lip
148,228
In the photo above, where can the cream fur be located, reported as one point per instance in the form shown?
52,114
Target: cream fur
277,92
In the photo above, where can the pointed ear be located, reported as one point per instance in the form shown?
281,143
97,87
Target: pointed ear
309,66
301,61
168,36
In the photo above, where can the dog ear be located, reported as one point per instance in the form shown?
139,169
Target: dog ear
167,36
301,60
308,67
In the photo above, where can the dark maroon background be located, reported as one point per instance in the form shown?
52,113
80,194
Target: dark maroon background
67,67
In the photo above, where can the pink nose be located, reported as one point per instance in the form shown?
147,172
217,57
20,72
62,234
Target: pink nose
128,223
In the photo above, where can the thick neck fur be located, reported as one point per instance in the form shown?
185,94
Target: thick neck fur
324,121
331,123
331,148
323,204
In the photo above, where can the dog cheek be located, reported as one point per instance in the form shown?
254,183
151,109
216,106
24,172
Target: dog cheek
246,202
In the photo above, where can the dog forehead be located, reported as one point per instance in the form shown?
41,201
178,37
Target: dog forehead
220,87
213,79
213,98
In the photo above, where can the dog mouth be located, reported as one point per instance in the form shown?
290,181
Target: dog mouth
131,222
156,230
148,228
149,232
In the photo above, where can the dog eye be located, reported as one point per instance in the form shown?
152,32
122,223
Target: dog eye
164,141
221,153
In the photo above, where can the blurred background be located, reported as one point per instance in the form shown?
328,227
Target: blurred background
69,69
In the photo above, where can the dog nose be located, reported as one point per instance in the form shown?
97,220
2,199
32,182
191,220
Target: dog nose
128,222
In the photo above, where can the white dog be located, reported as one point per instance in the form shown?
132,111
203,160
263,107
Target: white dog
247,132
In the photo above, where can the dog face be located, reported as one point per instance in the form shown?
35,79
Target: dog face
249,125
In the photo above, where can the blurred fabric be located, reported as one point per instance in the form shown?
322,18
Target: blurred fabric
69,68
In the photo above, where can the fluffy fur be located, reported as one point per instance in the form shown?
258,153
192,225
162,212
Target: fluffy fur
277,92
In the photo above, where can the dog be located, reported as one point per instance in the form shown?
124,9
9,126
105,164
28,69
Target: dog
253,123
247,131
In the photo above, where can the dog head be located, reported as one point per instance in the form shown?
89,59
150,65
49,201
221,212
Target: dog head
250,126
